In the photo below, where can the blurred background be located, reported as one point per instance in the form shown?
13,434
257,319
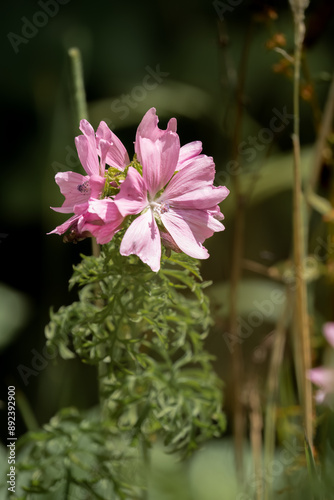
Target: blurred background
182,57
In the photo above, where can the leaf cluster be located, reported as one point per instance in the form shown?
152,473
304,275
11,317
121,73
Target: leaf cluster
76,457
144,331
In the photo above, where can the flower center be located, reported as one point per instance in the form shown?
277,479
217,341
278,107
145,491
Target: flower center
159,208
84,188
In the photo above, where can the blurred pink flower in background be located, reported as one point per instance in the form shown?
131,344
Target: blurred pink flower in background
323,376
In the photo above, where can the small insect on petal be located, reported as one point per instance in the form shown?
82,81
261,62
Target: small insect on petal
84,188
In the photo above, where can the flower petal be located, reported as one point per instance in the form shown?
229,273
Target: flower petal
101,208
117,155
88,155
132,198
148,128
323,378
328,330
65,226
198,174
96,183
75,188
143,239
104,147
204,198
87,129
107,221
187,152
159,160
189,228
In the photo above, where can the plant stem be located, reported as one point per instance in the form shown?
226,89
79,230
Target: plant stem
302,324
78,87
80,103
81,113
256,425
275,365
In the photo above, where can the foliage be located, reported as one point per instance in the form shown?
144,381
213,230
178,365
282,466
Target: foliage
145,333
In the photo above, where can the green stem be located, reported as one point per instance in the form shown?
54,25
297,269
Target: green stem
78,87
81,113
80,103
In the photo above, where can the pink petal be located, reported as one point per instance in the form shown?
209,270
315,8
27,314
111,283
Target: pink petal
104,149
87,130
171,125
106,210
216,213
320,396
143,239
104,233
75,188
96,184
190,228
159,160
109,220
198,174
323,378
148,128
100,207
182,231
103,132
66,225
132,198
328,330
204,198
187,152
117,155
87,154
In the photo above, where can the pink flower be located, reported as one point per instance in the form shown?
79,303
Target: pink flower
94,151
323,376
174,196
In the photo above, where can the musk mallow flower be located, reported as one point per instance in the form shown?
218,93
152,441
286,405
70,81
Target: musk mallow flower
323,376
167,191
173,196
95,151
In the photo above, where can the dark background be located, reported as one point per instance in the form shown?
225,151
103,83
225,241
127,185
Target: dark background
118,40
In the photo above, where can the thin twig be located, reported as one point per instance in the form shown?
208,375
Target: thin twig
270,272
272,386
302,330
256,425
313,100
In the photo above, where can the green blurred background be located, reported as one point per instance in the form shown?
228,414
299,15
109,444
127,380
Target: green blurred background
119,41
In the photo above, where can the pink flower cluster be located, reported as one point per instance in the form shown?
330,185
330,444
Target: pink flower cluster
167,190
323,376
